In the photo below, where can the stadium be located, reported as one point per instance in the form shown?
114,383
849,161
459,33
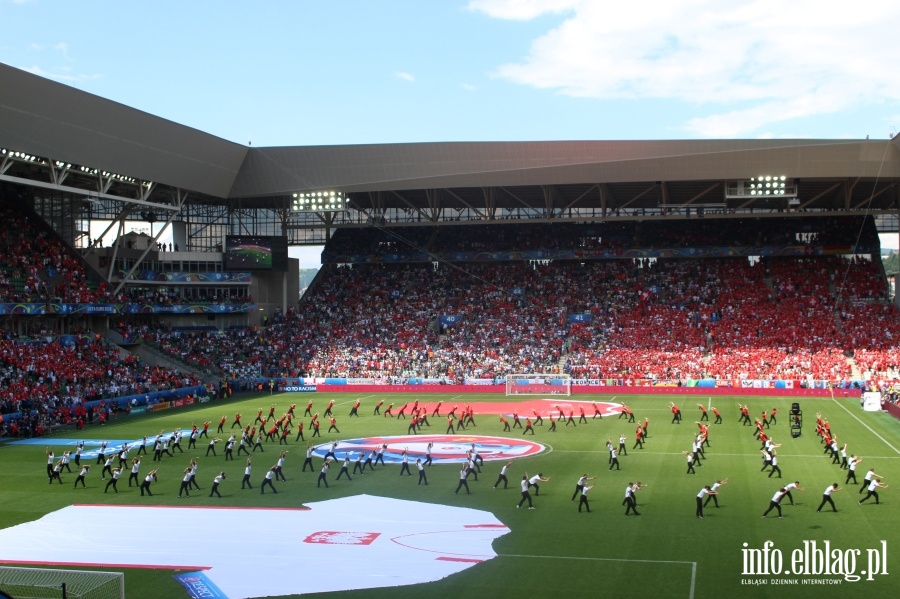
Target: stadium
645,323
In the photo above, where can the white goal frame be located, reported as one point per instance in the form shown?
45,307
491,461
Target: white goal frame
68,584
538,384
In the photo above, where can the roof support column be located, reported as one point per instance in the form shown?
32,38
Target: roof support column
179,202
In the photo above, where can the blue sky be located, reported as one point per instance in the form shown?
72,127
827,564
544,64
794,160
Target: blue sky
356,72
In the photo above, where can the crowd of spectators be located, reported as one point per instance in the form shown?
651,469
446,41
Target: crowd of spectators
234,353
773,319
49,380
728,319
795,318
35,266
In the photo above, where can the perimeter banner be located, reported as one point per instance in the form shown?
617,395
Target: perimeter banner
199,586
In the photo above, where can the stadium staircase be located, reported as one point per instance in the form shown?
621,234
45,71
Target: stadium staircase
832,290
561,364
769,279
857,373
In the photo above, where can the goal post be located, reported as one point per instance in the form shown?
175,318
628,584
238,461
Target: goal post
43,583
538,384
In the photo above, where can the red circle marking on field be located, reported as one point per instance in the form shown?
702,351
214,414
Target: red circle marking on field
544,407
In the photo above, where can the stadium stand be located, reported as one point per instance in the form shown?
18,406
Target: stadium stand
727,318
36,266
45,377
730,300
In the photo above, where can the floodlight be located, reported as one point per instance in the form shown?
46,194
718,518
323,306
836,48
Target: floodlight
319,201
761,187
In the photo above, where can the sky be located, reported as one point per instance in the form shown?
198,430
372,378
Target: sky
362,72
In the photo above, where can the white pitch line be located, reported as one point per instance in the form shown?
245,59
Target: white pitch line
678,453
693,579
865,425
615,559
597,559
349,401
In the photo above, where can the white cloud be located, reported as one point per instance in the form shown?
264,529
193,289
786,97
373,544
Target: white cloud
738,122
771,135
405,76
742,65
469,87
521,10
62,74
63,47
36,70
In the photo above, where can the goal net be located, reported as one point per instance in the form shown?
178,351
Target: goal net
538,384
40,583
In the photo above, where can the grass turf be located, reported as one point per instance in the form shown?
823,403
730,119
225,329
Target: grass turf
554,549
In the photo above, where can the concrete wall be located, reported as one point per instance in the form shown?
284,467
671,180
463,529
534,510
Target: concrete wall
273,290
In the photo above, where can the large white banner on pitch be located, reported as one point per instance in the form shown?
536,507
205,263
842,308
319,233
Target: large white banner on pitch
341,544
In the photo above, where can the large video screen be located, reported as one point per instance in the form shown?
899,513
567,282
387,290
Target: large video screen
243,252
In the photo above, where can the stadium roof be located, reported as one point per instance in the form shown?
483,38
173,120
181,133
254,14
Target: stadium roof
69,128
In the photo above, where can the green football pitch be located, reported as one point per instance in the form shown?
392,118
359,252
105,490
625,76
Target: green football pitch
554,550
